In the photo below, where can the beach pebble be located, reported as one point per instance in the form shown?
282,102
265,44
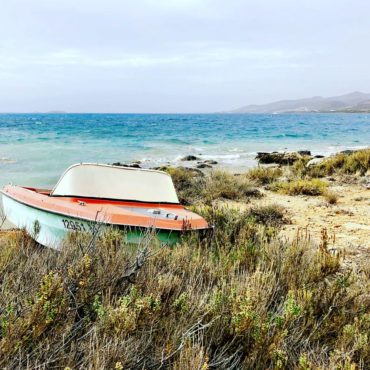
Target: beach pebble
285,158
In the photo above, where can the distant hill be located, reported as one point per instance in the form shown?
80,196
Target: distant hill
353,102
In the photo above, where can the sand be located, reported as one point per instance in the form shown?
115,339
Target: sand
347,222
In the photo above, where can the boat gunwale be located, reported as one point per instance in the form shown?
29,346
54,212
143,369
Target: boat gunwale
175,229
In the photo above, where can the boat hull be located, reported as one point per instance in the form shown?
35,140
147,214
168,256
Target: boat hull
50,229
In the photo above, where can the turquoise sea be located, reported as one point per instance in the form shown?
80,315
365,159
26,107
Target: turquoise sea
36,148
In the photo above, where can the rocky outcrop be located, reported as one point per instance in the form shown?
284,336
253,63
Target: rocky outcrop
285,158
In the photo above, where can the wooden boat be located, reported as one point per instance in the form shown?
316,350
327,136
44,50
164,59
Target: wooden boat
90,195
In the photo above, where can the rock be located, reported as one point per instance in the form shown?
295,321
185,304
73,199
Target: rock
210,161
314,162
133,165
190,158
319,156
204,165
285,158
304,152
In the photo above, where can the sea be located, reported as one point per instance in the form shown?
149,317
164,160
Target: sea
35,149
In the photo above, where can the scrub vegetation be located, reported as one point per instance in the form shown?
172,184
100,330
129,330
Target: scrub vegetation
240,298
264,175
195,187
357,162
300,187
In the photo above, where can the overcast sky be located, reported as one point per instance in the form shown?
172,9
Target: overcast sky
178,55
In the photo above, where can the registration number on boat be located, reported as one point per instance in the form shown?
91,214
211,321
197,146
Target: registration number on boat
77,226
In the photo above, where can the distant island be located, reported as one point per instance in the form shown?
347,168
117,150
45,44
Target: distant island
356,102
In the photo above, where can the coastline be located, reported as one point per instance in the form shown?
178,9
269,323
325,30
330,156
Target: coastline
348,219
35,149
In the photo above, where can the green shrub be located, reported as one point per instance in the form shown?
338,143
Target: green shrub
357,162
301,187
241,299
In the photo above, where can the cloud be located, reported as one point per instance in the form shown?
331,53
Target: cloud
202,57
198,54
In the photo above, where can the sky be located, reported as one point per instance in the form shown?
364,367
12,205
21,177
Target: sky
178,55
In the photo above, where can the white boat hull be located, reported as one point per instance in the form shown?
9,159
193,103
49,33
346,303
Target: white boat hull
47,228
50,229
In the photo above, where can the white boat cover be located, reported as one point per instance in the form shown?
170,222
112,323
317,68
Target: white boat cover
114,182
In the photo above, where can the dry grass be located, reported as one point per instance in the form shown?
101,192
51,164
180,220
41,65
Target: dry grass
269,215
239,300
264,175
355,163
224,185
301,187
194,187
331,197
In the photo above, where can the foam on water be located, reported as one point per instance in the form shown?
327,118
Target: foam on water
36,148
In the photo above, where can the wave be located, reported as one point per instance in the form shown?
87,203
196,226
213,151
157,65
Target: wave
7,160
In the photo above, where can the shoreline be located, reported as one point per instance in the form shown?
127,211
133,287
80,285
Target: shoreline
348,218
